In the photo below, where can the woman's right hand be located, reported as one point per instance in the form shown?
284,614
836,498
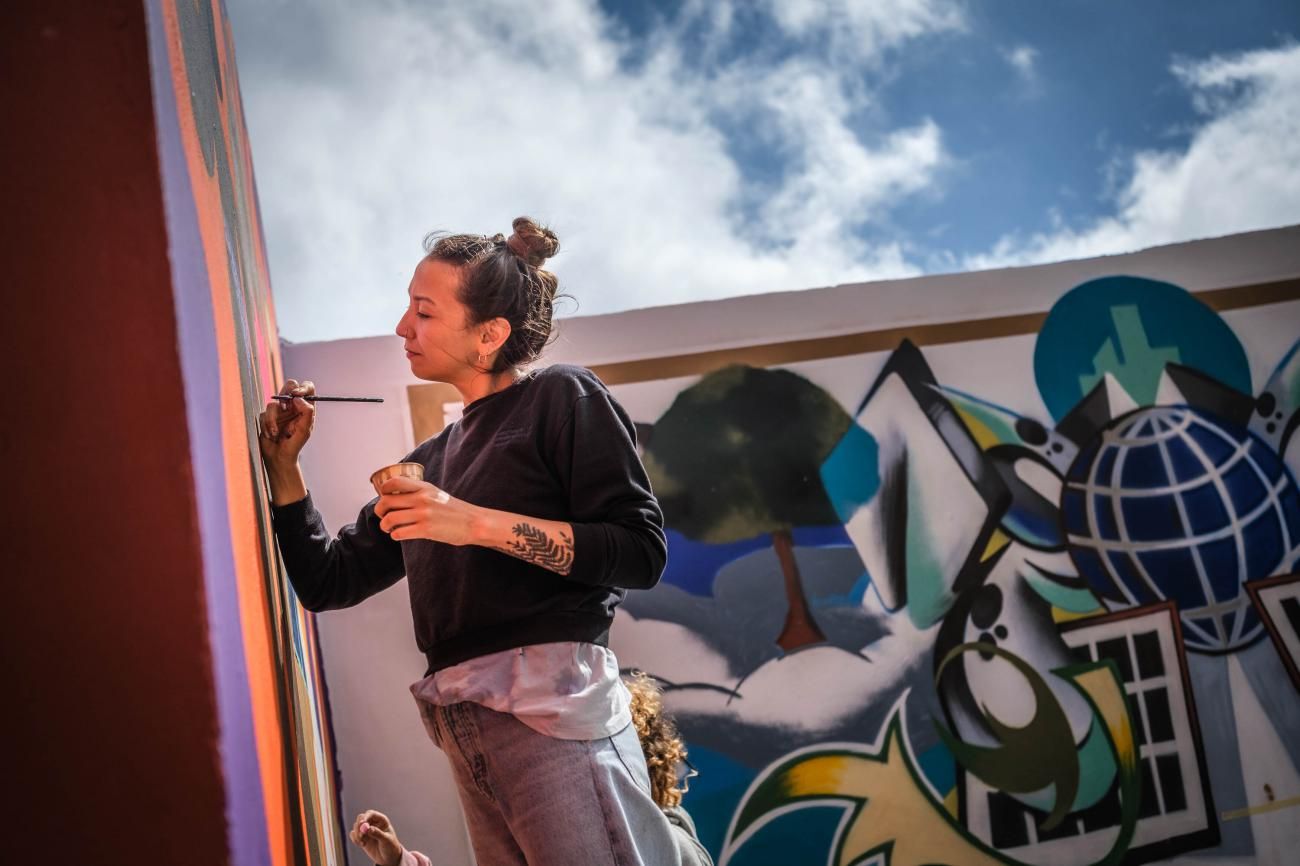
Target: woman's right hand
285,425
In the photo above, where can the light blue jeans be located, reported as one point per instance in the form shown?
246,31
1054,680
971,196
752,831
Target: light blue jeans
541,801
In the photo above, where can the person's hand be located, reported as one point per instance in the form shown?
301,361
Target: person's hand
374,834
285,426
416,509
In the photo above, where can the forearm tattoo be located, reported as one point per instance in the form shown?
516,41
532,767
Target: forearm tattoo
533,545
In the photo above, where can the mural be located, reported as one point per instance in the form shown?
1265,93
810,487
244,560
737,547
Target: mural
275,736
927,629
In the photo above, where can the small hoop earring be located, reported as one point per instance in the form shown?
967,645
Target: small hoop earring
482,359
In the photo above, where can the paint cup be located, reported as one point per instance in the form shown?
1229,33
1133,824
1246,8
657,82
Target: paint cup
404,470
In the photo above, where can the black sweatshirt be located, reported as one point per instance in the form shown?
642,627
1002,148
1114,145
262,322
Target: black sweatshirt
553,446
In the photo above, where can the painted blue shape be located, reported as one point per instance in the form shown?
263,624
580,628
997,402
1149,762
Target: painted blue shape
1145,473
1174,574
1186,464
1073,505
1245,490
714,794
821,536
939,768
803,836
693,565
1219,557
1220,451
1105,464
1104,511
1262,538
1130,327
1037,526
852,598
1151,518
1095,572
1221,525
851,473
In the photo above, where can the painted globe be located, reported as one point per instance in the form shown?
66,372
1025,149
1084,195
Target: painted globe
1170,502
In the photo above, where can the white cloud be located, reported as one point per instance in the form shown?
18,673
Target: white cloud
1237,173
1024,60
862,29
373,123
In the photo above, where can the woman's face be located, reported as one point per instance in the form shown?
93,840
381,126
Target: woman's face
439,344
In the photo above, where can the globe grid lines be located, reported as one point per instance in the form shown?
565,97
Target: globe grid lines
1130,546
1186,521
1264,489
1121,526
1240,452
1235,520
1273,492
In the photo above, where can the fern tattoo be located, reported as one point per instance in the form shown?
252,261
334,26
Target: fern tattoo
534,545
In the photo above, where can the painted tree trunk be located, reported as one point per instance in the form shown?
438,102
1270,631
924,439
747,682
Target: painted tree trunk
800,628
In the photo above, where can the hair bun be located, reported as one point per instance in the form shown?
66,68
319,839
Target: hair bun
532,242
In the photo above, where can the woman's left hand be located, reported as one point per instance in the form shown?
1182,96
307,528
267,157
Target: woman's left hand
416,509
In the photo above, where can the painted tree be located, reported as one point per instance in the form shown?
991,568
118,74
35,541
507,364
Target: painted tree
739,454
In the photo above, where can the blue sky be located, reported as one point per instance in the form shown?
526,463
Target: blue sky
693,150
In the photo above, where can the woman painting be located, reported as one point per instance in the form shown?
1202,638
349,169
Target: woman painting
534,517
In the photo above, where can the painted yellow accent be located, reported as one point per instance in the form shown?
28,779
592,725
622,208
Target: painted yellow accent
816,775
1108,696
997,541
895,809
950,803
1059,616
1260,809
983,435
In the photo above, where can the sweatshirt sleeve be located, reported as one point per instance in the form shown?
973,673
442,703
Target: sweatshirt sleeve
332,573
689,849
618,535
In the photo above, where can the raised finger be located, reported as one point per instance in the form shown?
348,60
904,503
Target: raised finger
399,517
393,501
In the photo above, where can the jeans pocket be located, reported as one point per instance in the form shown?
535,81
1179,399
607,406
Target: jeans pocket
628,748
429,715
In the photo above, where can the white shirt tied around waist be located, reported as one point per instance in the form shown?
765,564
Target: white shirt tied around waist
567,690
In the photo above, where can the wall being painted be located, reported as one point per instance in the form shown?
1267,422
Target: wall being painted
275,749
978,568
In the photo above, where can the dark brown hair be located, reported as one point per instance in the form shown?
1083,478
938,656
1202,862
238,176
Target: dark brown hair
504,278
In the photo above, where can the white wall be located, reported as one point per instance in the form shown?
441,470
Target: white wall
370,658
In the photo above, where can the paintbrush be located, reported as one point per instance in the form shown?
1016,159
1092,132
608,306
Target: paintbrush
313,398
